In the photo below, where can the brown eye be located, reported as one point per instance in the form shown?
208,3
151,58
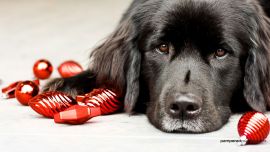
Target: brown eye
163,48
220,53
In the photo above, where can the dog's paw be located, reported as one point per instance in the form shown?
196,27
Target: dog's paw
60,84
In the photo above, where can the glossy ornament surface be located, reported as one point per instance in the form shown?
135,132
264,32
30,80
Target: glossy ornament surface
77,114
50,103
42,69
103,98
69,69
8,92
253,128
25,91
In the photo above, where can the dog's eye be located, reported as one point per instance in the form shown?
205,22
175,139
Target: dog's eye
220,53
163,48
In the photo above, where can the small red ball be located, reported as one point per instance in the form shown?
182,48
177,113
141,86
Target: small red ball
25,91
42,69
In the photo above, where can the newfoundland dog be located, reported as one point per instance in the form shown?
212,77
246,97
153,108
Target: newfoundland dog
185,63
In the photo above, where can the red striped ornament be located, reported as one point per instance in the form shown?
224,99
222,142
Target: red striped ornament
95,103
50,103
103,98
253,128
69,69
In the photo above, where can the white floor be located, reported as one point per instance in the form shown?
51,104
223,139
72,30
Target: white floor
67,29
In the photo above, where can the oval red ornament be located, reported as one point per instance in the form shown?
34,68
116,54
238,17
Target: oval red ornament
69,68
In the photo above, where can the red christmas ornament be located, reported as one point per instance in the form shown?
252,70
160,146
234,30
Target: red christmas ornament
37,82
25,91
103,98
253,128
9,91
50,103
43,69
77,114
69,69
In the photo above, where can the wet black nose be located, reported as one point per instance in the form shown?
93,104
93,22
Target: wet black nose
187,106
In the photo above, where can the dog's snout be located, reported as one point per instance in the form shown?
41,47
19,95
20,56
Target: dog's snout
185,106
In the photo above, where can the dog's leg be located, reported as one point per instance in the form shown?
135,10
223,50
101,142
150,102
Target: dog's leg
79,84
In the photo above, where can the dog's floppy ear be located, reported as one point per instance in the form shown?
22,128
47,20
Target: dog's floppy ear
116,63
257,68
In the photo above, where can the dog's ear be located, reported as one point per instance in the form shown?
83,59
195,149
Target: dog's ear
257,68
116,63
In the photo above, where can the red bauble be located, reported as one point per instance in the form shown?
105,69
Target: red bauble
77,114
43,69
9,91
25,91
50,103
103,98
253,128
69,69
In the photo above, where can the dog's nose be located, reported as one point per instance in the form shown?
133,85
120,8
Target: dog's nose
187,106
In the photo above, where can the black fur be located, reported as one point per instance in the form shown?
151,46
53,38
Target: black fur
129,62
266,6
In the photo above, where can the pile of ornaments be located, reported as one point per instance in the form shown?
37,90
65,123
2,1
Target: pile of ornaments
58,105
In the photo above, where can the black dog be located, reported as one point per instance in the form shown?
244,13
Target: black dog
186,63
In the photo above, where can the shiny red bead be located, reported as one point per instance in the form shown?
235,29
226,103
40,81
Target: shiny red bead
77,114
42,69
25,91
69,69
9,91
253,128
50,103
103,98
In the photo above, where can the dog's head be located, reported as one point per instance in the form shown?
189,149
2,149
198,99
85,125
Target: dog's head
188,61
